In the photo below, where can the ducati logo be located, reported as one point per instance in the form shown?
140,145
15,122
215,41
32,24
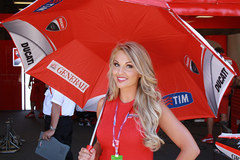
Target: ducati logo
58,24
27,52
190,64
221,79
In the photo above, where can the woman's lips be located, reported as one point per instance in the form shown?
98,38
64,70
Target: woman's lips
121,79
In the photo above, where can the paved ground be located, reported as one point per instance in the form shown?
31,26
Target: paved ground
29,130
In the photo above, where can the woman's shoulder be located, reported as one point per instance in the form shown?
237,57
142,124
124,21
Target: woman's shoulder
101,102
104,100
100,105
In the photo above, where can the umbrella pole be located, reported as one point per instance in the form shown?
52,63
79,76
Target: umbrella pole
90,146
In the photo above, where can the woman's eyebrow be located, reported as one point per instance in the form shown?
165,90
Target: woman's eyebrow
125,63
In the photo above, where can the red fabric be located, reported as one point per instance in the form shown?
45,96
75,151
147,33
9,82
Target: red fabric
223,108
83,46
202,7
216,22
150,2
205,1
131,142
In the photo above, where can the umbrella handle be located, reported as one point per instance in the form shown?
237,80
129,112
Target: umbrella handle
90,146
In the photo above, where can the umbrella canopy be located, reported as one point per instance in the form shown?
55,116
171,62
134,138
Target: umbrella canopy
67,44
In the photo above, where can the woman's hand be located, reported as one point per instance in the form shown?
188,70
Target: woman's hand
85,154
96,151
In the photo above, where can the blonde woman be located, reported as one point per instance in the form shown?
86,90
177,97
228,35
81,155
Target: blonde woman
134,112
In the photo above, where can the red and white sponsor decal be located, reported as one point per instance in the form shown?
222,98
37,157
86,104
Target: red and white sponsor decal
58,24
62,23
229,151
16,58
68,76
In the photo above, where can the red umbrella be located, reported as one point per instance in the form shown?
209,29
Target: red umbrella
67,44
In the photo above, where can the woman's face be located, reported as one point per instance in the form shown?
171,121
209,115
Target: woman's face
124,73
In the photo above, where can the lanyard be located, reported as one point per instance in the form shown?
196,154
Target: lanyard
116,141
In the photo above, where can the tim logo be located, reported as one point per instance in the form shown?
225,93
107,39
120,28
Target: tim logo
179,99
48,5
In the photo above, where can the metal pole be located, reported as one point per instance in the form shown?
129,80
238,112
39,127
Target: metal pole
98,120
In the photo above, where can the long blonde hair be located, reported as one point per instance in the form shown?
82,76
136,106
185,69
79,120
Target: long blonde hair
147,101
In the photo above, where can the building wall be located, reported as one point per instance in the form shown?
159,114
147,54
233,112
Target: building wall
10,85
233,47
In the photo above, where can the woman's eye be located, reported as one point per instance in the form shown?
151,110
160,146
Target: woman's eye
129,66
116,64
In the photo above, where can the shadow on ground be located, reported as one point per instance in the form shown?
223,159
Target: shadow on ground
29,130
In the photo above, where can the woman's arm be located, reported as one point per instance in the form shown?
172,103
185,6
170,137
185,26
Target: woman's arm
55,114
179,134
97,145
96,151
